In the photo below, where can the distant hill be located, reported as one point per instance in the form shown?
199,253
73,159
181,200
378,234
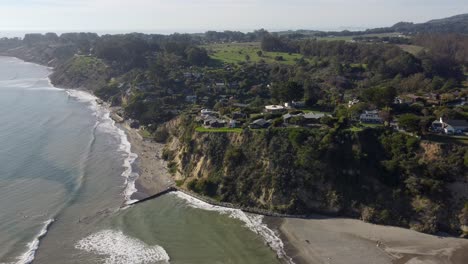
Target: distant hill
454,24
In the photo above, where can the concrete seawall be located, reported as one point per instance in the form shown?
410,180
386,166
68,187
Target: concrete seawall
217,203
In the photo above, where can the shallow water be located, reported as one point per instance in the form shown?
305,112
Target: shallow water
63,159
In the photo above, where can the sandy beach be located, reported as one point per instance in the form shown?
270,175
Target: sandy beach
152,169
348,241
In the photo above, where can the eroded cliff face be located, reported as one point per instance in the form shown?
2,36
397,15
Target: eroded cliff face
379,177
70,70
44,54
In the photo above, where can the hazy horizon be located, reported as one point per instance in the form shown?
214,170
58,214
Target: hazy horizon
192,16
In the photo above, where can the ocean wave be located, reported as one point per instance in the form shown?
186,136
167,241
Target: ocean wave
117,248
253,222
28,256
106,125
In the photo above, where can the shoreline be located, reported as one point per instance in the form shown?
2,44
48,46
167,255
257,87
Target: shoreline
322,239
318,240
153,176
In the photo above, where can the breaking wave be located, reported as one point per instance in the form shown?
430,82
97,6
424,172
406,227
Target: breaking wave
107,125
117,248
253,222
28,256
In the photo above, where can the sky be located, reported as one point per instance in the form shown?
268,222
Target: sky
167,16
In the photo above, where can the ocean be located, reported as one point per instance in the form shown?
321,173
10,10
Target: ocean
66,175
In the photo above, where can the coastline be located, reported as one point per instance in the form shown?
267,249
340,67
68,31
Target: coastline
153,176
322,239
317,240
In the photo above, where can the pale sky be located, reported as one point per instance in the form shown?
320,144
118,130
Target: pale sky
200,15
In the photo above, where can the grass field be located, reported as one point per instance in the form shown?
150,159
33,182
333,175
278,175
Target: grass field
237,52
218,130
362,126
413,49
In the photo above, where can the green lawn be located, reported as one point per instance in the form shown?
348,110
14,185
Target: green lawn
314,111
234,53
413,49
362,126
218,130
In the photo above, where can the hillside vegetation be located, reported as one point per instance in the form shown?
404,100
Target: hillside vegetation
375,174
81,72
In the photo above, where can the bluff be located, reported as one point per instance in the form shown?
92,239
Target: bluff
377,175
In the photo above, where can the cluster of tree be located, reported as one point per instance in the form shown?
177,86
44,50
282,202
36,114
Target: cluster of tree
234,36
82,40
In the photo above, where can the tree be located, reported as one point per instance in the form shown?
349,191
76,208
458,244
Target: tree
409,122
311,92
288,92
260,53
197,56
380,96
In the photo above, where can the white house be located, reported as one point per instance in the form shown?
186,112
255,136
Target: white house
454,126
274,108
371,117
352,102
207,112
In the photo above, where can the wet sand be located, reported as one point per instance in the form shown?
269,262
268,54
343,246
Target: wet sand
349,241
152,169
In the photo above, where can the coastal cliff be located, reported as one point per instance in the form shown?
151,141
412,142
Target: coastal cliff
82,72
375,175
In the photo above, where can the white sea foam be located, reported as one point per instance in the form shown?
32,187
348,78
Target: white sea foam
107,125
44,89
28,256
252,221
117,248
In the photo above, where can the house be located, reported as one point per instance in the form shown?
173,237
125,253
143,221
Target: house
234,123
298,104
207,112
352,102
238,115
437,126
213,122
306,118
454,126
259,123
274,108
370,117
287,117
314,117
